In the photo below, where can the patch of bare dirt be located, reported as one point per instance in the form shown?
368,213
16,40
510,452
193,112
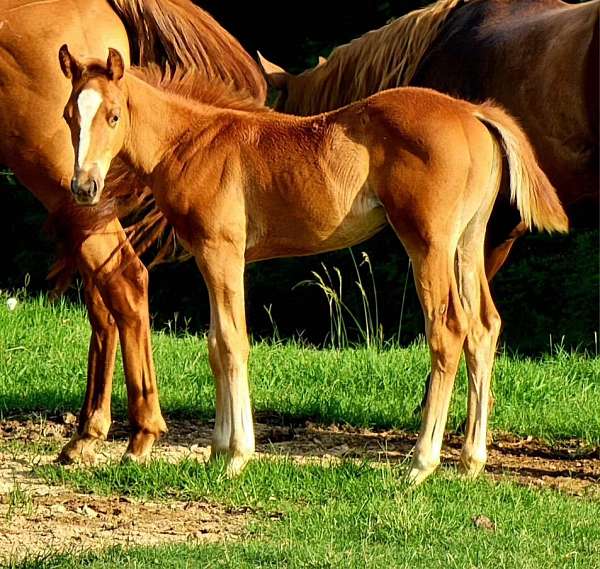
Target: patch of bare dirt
56,517
37,518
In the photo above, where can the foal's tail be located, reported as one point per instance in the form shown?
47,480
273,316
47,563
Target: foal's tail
530,189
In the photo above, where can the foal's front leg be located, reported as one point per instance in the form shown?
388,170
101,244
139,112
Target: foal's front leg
222,265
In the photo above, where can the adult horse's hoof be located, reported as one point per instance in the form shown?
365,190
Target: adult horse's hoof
139,448
130,458
79,450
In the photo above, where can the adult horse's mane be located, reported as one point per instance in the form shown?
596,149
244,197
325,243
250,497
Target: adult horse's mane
186,51
178,34
192,86
380,59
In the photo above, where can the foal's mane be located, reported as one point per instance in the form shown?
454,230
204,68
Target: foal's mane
380,59
192,86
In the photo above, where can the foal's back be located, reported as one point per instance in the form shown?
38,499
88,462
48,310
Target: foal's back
325,182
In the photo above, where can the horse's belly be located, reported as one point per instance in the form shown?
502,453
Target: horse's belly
301,234
365,218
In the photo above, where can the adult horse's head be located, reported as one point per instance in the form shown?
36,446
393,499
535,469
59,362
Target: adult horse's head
291,89
97,117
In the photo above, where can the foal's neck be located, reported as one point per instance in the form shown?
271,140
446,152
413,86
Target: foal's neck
159,122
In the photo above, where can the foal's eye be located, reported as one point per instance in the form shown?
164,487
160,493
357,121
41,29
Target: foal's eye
113,120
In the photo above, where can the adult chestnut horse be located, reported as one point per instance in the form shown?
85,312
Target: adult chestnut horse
241,184
539,59
36,145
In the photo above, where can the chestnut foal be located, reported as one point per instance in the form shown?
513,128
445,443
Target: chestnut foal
241,184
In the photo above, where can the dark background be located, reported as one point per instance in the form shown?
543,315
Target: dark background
547,293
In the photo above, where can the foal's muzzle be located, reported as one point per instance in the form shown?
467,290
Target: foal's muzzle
87,186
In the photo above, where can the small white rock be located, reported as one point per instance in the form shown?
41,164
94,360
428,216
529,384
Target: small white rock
89,512
11,303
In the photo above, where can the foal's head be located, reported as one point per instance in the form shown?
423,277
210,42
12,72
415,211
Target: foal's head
96,113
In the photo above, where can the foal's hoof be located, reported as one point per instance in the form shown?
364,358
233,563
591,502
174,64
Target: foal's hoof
79,450
236,462
470,467
420,470
416,475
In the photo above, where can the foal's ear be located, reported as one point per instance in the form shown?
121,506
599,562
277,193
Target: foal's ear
69,65
115,65
276,76
322,61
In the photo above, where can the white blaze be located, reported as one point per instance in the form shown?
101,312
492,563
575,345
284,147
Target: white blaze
88,102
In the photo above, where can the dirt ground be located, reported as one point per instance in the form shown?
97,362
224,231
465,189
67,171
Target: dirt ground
36,518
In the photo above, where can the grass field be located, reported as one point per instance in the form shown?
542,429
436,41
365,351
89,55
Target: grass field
43,368
346,514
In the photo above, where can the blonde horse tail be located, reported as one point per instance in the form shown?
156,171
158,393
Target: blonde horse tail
530,189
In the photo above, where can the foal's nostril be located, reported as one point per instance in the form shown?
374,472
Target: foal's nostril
74,185
93,188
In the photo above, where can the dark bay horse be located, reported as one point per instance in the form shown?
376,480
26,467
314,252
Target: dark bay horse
36,145
538,58
241,184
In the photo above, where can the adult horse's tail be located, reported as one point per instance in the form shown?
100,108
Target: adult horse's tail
530,189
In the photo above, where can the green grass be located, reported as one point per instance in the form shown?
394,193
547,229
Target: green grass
351,516
348,515
43,351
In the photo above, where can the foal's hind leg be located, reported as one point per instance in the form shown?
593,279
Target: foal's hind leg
445,327
480,348
494,260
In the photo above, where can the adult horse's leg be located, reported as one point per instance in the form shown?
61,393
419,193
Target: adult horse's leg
497,254
222,266
446,328
120,281
50,185
94,418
